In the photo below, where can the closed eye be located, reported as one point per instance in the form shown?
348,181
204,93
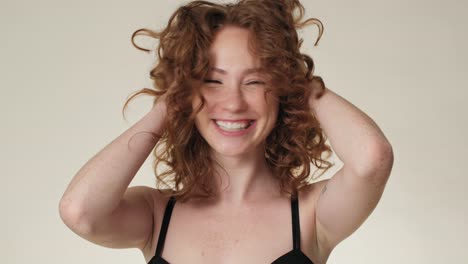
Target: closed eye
255,82
212,81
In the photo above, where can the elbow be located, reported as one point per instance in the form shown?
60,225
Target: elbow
73,217
378,162
385,154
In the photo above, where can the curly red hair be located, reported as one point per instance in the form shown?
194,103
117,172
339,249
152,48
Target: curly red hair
296,142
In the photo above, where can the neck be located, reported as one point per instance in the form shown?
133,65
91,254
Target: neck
242,179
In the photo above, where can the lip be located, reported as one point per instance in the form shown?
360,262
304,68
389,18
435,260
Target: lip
234,133
234,120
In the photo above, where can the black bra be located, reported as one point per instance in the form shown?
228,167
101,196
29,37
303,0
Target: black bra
295,256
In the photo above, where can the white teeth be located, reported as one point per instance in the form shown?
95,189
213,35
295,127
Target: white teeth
233,126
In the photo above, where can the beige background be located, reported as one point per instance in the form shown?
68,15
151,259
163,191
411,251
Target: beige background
68,66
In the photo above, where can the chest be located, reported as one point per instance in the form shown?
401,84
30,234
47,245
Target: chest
259,234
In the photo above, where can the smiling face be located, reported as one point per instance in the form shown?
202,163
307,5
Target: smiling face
237,116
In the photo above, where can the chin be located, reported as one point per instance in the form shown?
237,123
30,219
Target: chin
229,150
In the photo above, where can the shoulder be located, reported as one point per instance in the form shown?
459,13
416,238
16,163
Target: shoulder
155,197
309,193
159,198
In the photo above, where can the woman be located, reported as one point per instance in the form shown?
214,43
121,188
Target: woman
237,120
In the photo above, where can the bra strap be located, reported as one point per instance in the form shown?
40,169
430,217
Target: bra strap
165,223
295,222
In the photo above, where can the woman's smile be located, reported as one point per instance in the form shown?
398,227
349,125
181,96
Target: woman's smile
234,127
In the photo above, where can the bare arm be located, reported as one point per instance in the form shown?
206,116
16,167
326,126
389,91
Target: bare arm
350,196
97,204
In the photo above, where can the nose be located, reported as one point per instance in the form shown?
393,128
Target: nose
234,99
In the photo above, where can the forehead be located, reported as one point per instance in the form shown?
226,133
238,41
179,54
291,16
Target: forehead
231,48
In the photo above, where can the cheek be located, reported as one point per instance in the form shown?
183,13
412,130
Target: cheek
198,109
200,126
202,119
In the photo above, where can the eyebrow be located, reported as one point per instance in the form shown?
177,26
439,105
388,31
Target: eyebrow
246,71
